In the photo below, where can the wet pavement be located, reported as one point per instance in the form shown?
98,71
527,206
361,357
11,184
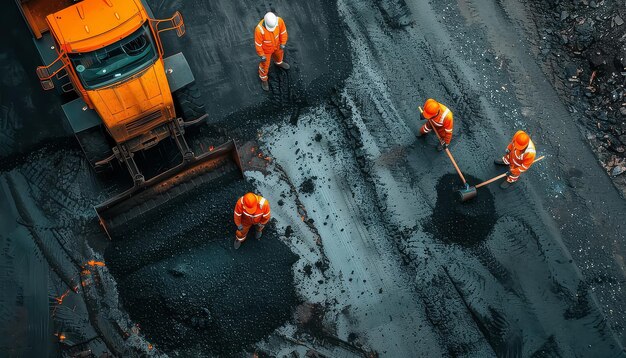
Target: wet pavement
464,223
369,249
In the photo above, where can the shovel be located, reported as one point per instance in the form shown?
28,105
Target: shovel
470,192
467,187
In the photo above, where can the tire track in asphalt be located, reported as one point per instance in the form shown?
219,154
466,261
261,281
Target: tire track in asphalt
465,342
377,298
554,126
367,137
535,199
499,316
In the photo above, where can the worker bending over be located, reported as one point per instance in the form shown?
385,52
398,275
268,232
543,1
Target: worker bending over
440,116
251,209
270,39
520,155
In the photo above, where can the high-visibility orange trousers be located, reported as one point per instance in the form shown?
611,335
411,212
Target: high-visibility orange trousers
264,66
241,235
515,171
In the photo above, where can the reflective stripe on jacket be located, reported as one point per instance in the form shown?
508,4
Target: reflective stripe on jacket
444,123
265,41
260,216
520,161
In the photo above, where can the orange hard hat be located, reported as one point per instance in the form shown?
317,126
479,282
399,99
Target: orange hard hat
249,203
431,108
521,140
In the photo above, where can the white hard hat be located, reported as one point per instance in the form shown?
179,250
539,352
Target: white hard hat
271,21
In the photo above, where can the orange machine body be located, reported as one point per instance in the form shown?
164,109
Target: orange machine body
135,104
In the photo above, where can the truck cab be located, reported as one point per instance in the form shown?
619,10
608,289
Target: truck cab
122,95
113,56
109,54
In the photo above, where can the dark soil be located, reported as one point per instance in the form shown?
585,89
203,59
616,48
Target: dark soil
181,279
583,48
321,265
310,318
308,270
467,223
308,186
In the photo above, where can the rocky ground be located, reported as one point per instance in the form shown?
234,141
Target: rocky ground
582,46
368,252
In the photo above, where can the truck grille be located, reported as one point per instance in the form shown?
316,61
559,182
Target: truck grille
141,121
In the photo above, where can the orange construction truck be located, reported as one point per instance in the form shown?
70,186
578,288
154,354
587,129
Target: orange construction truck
125,97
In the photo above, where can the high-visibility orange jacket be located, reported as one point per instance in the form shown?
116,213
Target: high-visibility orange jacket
443,123
519,160
266,42
260,216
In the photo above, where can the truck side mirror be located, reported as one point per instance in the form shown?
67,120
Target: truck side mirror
179,24
175,22
43,72
47,84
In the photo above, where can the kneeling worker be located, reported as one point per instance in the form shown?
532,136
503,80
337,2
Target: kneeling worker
251,209
520,155
440,116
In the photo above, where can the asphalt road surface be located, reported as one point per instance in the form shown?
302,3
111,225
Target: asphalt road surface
368,250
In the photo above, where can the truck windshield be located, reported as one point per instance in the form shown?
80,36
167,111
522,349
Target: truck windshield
116,61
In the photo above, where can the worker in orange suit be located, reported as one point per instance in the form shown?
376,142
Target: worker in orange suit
251,209
519,156
440,116
270,39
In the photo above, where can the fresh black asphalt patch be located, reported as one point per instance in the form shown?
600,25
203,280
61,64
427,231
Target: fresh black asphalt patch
464,223
181,279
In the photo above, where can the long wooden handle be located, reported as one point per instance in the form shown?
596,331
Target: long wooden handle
490,180
456,166
503,175
447,150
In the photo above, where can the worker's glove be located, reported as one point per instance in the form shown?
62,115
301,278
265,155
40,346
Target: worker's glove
282,47
508,173
260,226
240,227
444,145
263,58
508,151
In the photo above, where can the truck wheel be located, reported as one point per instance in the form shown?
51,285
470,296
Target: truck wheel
94,143
188,103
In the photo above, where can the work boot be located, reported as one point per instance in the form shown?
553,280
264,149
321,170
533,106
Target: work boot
284,65
258,234
237,244
265,85
499,161
505,184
